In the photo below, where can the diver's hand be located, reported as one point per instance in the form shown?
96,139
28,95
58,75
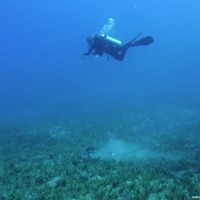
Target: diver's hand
84,55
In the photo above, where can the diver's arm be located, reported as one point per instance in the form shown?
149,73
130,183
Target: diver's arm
88,52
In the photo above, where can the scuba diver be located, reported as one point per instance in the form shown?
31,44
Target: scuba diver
102,43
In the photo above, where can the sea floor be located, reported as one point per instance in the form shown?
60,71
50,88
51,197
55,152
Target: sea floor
142,154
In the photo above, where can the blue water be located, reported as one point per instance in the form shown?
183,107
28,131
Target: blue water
41,68
66,121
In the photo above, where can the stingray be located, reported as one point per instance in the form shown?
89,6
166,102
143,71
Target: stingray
89,151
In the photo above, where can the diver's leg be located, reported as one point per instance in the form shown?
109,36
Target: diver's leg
142,42
120,52
130,44
119,55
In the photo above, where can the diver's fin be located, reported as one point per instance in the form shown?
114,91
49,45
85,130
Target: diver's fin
135,38
144,41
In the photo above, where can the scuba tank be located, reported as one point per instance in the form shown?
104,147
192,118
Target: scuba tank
111,39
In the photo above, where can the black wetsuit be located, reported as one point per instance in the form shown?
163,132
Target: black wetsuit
101,45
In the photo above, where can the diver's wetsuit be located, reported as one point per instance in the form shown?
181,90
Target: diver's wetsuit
102,45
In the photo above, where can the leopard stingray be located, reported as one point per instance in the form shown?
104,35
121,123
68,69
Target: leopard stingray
120,150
